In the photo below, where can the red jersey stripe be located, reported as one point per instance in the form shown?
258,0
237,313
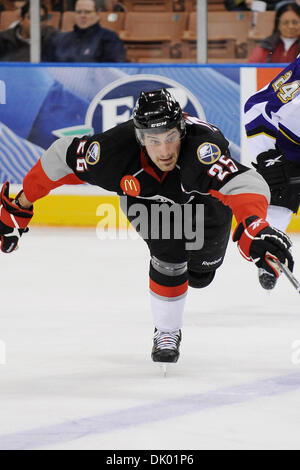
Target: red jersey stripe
36,183
243,205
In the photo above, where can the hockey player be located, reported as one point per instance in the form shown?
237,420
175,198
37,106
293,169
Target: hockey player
273,130
162,156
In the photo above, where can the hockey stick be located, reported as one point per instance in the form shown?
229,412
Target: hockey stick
284,269
289,275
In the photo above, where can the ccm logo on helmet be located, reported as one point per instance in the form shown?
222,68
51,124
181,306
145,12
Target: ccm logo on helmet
159,124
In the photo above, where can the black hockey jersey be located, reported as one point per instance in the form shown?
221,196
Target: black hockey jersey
114,161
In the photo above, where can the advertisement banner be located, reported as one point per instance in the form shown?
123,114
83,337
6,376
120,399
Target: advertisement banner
41,103
265,75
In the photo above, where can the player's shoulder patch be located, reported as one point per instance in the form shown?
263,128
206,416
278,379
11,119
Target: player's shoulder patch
208,153
93,153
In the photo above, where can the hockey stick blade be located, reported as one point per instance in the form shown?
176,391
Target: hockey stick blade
289,275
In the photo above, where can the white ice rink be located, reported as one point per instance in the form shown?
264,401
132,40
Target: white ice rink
77,329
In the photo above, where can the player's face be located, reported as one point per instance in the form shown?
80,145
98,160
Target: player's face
163,149
289,24
85,14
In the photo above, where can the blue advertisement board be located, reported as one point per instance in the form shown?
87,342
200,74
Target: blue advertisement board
39,104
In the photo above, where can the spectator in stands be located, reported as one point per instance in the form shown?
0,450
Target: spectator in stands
248,4
110,5
15,42
284,44
88,42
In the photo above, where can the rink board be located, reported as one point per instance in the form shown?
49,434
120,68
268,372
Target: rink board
86,211
81,211
40,103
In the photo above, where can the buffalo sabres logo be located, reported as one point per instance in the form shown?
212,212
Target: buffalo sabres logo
208,153
93,153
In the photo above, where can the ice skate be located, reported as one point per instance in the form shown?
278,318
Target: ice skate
267,280
166,346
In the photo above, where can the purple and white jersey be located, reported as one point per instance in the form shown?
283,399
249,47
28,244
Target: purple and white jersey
272,115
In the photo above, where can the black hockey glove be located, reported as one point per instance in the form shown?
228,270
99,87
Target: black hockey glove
263,244
278,172
13,221
273,166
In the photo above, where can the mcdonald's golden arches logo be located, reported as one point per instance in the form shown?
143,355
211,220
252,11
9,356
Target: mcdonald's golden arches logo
130,185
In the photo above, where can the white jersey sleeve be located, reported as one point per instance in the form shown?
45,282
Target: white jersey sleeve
272,115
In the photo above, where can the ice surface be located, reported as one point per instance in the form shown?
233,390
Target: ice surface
77,328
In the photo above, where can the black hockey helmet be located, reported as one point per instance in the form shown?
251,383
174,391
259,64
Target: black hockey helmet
157,111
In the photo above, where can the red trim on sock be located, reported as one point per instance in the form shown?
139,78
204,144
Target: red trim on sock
165,291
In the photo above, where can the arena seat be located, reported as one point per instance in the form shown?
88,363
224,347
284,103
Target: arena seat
7,5
153,34
68,21
228,31
212,5
148,5
262,27
190,5
226,34
54,18
7,17
163,60
216,5
112,20
224,60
